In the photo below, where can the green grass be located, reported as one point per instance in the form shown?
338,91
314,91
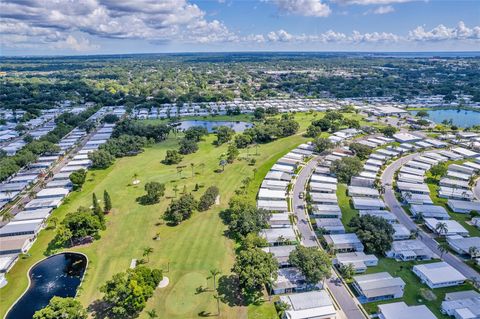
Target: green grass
190,249
412,293
348,212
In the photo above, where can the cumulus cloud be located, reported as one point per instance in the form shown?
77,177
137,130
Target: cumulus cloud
443,33
55,20
439,33
307,8
80,44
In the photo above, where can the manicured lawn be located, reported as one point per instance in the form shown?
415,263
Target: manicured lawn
187,251
348,212
413,288
241,117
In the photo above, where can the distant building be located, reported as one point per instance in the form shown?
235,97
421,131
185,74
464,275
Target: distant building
378,286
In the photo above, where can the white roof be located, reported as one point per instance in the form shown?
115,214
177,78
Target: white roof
439,272
400,310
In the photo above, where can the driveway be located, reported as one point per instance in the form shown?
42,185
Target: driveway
395,207
346,301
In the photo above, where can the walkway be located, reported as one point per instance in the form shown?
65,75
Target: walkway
395,207
346,301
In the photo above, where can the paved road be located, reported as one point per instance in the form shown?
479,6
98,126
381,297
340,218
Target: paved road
25,197
347,302
392,203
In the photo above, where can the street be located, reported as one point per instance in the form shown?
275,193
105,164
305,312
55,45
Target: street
346,301
396,208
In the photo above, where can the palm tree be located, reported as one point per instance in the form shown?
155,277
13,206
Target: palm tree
202,166
255,170
7,216
222,164
473,251
192,165
32,194
179,170
282,307
420,217
214,273
152,314
440,228
407,196
146,252
414,233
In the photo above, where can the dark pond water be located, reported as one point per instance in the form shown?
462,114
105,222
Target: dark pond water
236,126
59,275
460,118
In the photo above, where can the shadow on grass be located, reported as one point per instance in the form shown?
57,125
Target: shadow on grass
99,309
229,291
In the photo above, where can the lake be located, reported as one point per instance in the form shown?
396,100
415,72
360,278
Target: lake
59,275
209,125
460,118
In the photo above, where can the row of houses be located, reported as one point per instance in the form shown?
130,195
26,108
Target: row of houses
17,236
304,300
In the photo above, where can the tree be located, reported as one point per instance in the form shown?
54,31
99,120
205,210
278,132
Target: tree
101,159
172,157
78,178
59,307
259,113
97,210
80,224
195,133
214,273
441,228
242,140
473,251
360,150
223,163
232,153
107,202
152,314
315,264
243,218
254,269
224,134
313,131
376,233
7,216
347,271
155,191
187,146
208,198
126,294
181,209
345,168
322,144
439,170
422,113
146,253
388,130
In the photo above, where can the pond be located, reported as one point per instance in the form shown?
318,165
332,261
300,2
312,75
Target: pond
59,275
459,117
209,125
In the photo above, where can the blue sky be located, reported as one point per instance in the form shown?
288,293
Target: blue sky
35,27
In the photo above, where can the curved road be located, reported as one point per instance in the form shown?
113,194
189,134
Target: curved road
396,208
347,302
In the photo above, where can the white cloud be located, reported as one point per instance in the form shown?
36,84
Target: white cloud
307,8
383,10
161,21
443,33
